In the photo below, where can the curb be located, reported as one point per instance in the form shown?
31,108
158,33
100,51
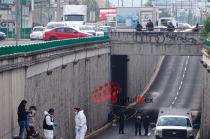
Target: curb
146,89
98,131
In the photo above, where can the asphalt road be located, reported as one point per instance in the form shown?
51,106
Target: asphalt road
7,42
179,84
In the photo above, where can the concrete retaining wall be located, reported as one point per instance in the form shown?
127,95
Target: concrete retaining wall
12,85
71,79
205,113
140,70
67,88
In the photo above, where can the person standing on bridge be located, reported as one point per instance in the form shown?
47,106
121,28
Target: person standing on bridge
22,117
138,122
121,121
48,124
138,26
146,124
80,123
150,26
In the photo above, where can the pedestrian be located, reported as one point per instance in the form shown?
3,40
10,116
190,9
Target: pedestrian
138,26
150,26
31,122
196,29
138,121
121,121
22,117
170,26
80,123
48,124
146,124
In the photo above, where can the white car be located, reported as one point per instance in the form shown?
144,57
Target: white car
37,33
89,29
52,25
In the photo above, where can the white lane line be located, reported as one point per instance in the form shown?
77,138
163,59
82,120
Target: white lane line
180,88
175,98
183,75
185,69
177,93
173,103
181,82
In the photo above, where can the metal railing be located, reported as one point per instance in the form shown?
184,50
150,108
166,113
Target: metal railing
9,50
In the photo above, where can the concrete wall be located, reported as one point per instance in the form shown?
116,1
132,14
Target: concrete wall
140,70
156,43
67,88
205,115
12,85
25,76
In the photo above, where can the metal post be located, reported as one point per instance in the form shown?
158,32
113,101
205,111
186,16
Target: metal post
21,19
58,10
132,3
49,11
17,22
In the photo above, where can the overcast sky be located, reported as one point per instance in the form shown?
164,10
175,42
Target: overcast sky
128,3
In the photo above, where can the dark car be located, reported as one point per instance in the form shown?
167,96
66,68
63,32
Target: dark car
2,36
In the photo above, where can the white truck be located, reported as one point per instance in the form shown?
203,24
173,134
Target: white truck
174,123
75,14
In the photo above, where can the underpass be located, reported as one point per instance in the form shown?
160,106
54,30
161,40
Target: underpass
178,84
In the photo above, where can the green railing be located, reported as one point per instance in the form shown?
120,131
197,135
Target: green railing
8,50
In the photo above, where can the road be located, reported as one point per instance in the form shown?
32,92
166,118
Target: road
7,42
179,84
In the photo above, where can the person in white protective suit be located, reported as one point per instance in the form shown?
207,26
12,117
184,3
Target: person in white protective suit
80,123
48,124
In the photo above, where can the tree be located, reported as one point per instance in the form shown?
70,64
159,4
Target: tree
206,29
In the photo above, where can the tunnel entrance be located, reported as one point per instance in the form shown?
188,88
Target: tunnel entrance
119,75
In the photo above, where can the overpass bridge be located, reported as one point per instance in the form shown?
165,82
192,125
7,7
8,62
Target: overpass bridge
64,74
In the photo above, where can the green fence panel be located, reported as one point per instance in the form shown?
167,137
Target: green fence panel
46,45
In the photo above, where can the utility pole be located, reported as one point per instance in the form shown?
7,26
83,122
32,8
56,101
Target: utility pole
58,10
17,22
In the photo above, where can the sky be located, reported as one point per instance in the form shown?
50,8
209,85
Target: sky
127,3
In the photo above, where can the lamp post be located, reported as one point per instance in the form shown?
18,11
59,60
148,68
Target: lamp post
17,22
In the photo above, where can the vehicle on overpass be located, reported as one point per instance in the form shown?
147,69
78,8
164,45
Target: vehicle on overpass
163,21
37,33
89,29
52,25
174,123
2,36
75,14
61,33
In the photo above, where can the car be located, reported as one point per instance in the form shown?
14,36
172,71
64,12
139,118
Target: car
37,33
174,123
105,29
61,33
52,25
86,29
2,36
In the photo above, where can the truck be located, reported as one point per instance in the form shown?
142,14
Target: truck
163,21
174,123
75,14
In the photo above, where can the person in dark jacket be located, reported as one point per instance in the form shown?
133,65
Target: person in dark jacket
196,29
146,123
170,27
138,26
22,117
150,26
121,121
138,121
